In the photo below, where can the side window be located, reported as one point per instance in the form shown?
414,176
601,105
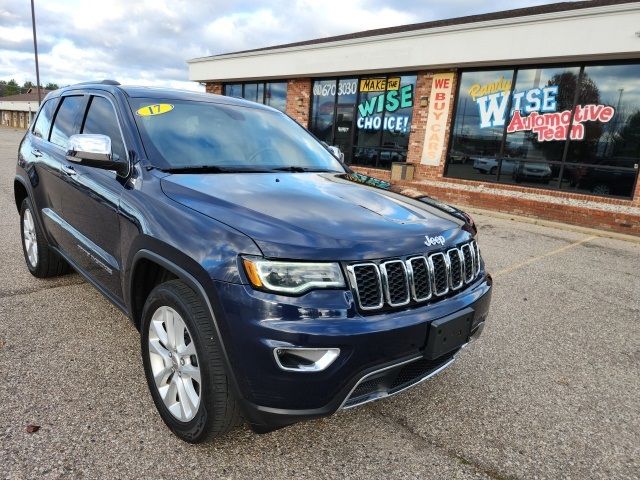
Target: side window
64,123
101,118
43,122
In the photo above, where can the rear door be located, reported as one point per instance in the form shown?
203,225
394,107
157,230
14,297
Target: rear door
91,203
52,166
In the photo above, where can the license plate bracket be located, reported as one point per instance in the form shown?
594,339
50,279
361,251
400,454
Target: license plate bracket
448,333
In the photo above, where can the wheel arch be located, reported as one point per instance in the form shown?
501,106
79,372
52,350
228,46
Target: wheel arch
20,191
180,273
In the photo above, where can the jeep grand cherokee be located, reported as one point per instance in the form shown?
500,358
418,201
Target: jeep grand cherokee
269,282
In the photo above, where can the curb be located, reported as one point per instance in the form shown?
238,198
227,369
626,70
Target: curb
552,224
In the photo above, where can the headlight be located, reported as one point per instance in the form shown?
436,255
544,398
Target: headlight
292,277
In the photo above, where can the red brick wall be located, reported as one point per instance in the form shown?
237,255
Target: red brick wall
213,87
299,100
617,221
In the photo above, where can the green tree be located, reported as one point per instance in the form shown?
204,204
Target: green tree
27,85
12,88
52,86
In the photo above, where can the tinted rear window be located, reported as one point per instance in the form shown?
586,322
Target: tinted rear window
43,122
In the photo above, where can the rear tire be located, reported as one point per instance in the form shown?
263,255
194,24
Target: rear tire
211,409
42,261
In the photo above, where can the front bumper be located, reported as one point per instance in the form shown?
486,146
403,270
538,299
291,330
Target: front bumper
380,354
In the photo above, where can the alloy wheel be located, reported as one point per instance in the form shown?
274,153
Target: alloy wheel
30,239
174,363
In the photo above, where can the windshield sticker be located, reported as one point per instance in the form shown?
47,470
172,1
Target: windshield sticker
157,109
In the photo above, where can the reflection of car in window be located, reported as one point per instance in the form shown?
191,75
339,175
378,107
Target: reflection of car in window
458,157
490,165
606,181
532,171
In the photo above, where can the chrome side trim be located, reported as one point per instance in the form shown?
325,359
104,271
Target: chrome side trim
385,283
379,395
354,284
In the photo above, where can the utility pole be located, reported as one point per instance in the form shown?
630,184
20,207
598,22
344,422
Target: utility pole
35,49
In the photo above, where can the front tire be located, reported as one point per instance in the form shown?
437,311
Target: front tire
183,365
42,261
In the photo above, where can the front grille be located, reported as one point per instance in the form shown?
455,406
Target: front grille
398,282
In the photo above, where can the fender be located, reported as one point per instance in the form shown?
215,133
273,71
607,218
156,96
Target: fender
36,213
197,287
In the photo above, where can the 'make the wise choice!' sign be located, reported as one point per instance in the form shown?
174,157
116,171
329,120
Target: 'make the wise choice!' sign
437,118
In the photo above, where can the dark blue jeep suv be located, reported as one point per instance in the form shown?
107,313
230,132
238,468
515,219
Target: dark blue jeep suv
269,281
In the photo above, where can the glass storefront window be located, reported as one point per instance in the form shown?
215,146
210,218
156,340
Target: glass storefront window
233,90
273,94
369,118
592,146
276,95
479,124
323,110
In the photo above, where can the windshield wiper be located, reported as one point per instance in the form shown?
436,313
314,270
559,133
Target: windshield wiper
210,169
295,169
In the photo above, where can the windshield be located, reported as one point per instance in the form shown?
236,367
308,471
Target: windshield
187,135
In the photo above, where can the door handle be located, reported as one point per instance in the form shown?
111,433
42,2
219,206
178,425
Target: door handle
68,170
36,153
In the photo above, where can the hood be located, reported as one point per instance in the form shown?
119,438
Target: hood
315,215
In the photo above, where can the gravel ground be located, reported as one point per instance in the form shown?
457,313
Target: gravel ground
551,390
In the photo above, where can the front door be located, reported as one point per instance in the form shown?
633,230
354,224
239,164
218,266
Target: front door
91,204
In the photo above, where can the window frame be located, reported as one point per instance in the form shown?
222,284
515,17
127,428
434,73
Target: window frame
118,122
257,83
562,162
77,117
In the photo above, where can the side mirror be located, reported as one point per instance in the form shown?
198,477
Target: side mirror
94,150
336,152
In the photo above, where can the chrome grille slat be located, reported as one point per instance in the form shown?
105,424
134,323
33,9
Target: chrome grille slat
469,262
419,278
456,266
440,268
395,283
364,292
415,279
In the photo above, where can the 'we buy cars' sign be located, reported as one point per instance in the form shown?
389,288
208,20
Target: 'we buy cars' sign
437,118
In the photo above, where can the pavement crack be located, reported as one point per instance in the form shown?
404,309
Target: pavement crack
29,291
426,442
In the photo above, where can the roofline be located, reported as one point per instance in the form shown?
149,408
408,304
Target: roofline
528,14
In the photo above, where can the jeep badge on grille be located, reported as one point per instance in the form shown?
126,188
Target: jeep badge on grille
438,240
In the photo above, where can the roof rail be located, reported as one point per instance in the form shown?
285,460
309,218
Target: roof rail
100,82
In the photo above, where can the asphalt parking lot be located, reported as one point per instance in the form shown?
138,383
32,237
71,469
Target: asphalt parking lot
551,390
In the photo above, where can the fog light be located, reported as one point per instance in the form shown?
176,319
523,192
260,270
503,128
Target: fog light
299,359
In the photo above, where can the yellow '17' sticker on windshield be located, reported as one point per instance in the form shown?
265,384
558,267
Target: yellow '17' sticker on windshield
157,109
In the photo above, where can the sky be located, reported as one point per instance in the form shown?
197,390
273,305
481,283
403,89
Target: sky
147,42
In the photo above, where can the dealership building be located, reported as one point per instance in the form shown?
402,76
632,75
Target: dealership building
534,111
